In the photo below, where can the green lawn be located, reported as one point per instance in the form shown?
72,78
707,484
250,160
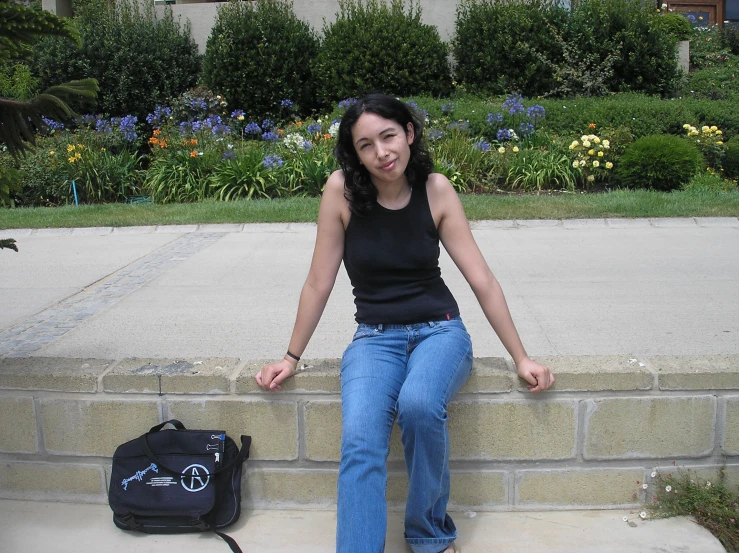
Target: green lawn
627,204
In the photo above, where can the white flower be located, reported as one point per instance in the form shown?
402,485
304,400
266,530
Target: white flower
625,518
643,515
333,130
645,486
596,164
606,144
654,473
501,150
586,143
515,149
576,164
668,489
708,484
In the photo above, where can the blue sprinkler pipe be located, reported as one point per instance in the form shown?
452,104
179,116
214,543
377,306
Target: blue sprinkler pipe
74,189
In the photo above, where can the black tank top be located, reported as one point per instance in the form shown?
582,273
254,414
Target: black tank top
392,259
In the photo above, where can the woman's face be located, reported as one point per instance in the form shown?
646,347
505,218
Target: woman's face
383,147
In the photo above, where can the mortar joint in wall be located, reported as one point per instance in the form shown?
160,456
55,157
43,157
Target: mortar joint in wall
107,371
240,366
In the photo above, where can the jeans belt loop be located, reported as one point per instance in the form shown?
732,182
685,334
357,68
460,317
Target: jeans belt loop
379,328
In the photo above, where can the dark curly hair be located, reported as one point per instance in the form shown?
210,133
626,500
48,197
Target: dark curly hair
359,190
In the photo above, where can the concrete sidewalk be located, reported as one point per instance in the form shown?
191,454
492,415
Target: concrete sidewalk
29,527
591,287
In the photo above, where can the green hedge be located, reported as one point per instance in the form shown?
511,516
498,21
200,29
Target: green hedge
373,46
259,54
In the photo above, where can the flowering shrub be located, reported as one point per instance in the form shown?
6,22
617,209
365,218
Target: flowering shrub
514,121
591,159
710,142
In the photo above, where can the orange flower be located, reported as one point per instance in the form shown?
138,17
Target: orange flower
156,132
153,140
193,141
327,136
162,143
280,131
193,154
592,126
299,123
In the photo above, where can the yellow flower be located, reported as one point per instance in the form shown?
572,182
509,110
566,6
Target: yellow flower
609,165
686,126
705,128
77,155
52,152
591,178
576,164
71,160
600,154
606,143
240,118
501,150
574,144
719,132
70,148
582,163
596,163
596,140
102,149
515,148
714,128
80,146
719,142
584,137
591,152
586,144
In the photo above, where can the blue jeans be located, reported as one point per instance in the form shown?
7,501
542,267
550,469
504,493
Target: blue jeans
412,371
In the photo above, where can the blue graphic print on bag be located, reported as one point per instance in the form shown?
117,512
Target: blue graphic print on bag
139,475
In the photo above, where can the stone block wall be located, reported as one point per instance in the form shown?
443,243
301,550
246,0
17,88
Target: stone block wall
606,424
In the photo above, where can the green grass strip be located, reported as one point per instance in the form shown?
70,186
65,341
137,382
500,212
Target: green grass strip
627,204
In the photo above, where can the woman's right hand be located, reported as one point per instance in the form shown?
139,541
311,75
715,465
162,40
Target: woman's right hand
271,376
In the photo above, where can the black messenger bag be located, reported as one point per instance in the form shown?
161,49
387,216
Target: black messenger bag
177,481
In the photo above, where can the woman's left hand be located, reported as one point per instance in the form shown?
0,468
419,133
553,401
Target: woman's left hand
538,376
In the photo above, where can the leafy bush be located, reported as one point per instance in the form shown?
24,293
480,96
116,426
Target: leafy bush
710,143
373,46
716,82
707,49
536,169
139,60
708,182
641,115
496,45
259,54
731,159
660,162
675,25
646,54
730,38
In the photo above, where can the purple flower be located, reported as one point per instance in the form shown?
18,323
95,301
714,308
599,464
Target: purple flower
103,125
435,134
269,136
494,118
268,125
127,126
526,129
447,109
53,125
314,128
504,134
160,115
287,104
459,126
89,120
536,112
185,127
482,145
198,104
272,162
252,128
228,155
237,113
411,104
221,129
514,104
347,103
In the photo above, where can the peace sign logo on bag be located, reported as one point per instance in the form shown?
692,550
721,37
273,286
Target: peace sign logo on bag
195,478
